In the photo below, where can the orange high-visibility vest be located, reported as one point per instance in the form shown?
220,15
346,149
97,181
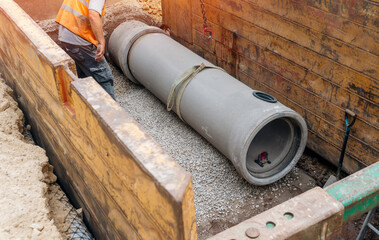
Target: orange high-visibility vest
73,15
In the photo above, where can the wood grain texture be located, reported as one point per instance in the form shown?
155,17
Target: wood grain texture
362,34
341,52
177,17
127,185
364,12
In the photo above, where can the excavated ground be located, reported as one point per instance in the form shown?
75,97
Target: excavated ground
31,203
222,197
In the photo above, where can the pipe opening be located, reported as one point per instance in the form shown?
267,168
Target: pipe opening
273,148
265,97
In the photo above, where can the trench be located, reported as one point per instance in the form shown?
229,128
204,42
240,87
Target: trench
67,218
222,197
33,205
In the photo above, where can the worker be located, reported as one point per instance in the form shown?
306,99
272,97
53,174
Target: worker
82,37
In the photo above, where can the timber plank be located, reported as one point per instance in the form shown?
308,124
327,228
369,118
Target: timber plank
90,154
38,39
103,171
364,12
303,13
309,59
128,176
28,59
90,139
329,151
169,16
290,64
184,20
188,209
355,58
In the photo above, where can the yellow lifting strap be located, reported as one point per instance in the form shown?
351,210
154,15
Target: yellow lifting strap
180,84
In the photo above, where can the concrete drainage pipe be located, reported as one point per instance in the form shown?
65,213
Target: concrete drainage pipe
263,138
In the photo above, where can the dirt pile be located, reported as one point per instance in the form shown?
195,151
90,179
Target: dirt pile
147,11
24,177
152,7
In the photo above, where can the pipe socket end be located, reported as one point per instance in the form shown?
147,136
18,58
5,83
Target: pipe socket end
122,40
274,149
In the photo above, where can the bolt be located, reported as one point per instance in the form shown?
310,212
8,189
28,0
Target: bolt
252,233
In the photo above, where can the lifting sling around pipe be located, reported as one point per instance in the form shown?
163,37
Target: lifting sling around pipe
263,138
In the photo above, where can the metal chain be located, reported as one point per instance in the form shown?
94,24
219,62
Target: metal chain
206,30
203,12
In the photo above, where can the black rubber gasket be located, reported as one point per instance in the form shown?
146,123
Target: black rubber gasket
265,97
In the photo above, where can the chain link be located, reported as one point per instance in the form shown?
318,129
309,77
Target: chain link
203,12
206,30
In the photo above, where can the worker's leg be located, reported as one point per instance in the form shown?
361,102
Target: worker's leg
80,73
86,65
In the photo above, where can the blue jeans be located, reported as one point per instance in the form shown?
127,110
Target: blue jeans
87,66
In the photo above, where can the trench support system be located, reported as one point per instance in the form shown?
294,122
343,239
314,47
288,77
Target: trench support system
263,138
129,188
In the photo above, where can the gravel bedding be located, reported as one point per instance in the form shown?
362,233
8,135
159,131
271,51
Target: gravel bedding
220,192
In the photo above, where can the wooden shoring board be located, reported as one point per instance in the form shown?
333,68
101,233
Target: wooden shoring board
366,62
288,49
364,12
127,185
177,16
359,29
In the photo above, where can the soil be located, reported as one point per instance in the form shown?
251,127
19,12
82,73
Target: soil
32,204
147,11
153,8
25,175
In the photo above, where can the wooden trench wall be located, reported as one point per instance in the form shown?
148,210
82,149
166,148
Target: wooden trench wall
317,57
128,187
